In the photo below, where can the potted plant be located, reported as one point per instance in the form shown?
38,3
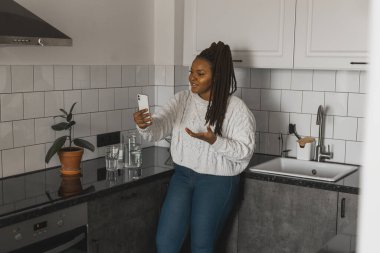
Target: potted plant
69,156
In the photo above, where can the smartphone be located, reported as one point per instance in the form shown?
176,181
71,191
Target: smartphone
143,102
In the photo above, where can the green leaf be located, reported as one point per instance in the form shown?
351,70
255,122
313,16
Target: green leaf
60,126
72,108
70,115
63,110
84,144
70,124
57,145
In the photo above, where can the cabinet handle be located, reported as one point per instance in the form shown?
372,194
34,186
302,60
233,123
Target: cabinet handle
237,60
358,63
343,208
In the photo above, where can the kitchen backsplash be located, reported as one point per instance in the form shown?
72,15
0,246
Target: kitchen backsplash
278,97
30,97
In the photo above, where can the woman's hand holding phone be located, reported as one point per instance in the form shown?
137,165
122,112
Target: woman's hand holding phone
142,118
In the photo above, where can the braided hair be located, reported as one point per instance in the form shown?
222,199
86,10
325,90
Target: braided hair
223,83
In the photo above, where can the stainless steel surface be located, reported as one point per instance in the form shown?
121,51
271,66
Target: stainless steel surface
284,153
43,227
320,153
20,27
33,41
330,172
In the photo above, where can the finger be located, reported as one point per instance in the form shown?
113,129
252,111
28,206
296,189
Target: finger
189,132
209,129
195,135
141,112
144,124
146,115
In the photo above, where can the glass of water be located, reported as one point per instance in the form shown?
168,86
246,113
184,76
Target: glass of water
112,156
133,154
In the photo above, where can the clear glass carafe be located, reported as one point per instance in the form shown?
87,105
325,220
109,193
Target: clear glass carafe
132,149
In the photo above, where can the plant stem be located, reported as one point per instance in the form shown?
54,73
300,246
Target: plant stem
70,136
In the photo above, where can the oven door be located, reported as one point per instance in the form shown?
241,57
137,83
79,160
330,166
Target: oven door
73,241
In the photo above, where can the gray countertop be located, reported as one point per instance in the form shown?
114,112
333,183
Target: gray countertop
33,194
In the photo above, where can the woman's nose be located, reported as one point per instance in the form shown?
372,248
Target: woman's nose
191,77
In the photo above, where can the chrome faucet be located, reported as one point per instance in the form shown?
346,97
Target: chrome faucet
320,154
283,153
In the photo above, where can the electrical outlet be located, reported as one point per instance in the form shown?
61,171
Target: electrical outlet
108,139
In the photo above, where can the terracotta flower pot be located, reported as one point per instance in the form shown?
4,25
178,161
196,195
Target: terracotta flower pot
70,158
70,185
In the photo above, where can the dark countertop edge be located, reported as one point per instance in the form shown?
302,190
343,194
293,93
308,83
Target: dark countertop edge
64,203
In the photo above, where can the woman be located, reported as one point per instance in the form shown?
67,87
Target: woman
213,136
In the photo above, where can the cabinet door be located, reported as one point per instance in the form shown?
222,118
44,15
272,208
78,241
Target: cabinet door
331,34
284,218
347,213
259,32
116,220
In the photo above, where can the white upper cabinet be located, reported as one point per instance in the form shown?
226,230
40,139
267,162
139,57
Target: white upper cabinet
318,34
259,32
331,34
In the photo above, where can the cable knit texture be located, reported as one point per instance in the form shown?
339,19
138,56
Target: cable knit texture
228,156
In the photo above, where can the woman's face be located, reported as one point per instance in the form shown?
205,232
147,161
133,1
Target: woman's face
200,78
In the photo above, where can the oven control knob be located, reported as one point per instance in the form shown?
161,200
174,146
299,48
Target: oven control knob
18,236
60,223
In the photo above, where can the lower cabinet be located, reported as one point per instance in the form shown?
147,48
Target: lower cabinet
276,217
126,221
269,218
347,213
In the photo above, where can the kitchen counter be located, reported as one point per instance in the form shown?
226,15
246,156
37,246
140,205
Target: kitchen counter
348,184
30,195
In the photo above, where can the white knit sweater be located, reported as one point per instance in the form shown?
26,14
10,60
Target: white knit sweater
228,156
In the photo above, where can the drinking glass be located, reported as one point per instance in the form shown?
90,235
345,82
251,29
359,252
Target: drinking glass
132,149
112,156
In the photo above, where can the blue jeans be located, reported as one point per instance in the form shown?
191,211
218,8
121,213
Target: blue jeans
198,202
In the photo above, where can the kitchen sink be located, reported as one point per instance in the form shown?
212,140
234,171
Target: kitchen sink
323,171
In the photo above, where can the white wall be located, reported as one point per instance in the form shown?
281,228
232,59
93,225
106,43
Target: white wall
168,32
103,32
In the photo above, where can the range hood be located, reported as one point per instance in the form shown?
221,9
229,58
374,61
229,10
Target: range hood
20,27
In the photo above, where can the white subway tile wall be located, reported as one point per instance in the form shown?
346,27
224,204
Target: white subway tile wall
106,99
324,80
260,78
5,79
63,76
278,97
98,76
280,79
22,78
30,96
302,80
114,76
81,77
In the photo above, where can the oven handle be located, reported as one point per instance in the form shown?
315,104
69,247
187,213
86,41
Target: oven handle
67,245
